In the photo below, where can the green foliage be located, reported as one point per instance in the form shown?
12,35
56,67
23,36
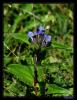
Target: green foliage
56,66
58,91
23,73
13,88
21,37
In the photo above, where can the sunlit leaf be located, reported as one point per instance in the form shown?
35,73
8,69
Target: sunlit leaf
21,72
54,89
21,37
61,46
26,7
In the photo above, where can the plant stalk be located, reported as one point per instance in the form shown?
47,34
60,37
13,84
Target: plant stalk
35,75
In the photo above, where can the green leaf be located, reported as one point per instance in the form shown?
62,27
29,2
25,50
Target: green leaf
62,23
6,26
48,18
53,69
40,73
70,13
61,46
20,36
7,59
54,89
21,72
7,94
50,60
53,60
16,22
31,24
26,7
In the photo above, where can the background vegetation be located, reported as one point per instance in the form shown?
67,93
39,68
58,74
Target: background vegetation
18,63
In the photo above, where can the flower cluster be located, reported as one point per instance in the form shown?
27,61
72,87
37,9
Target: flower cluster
39,36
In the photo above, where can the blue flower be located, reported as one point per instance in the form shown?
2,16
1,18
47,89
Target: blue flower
30,35
39,36
35,33
47,38
40,30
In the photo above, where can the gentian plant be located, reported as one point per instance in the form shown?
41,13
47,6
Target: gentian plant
40,40
39,36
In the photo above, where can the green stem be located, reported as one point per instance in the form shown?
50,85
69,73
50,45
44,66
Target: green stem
35,75
44,81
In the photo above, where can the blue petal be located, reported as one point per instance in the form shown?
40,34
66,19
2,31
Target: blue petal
35,33
30,35
47,38
40,30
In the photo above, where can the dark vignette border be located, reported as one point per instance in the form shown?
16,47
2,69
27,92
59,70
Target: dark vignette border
1,48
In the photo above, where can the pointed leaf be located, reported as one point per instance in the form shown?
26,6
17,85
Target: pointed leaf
22,37
26,7
21,72
61,46
40,73
50,60
54,89
16,22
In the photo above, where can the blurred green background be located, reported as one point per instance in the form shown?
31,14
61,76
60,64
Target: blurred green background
58,22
